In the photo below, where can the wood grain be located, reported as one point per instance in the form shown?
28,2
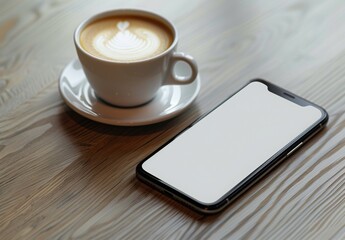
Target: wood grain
65,177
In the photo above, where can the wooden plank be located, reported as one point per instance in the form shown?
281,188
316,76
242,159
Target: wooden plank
63,176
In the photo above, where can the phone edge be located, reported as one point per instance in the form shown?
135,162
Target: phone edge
247,182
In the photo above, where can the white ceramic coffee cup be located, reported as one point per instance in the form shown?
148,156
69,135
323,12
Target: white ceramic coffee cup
130,84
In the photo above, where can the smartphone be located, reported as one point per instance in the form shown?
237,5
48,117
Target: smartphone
219,156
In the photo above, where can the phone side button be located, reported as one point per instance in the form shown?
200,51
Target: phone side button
294,149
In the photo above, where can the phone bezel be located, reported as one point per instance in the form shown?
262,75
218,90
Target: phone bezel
253,177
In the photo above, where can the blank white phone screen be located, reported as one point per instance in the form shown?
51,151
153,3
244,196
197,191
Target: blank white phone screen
213,156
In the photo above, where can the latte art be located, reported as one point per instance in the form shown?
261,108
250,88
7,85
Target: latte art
125,40
127,45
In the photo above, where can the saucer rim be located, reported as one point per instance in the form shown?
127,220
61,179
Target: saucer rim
116,122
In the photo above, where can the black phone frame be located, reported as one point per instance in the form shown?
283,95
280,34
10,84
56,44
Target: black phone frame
253,177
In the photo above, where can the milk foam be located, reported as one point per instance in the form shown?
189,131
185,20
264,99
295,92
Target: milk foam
127,44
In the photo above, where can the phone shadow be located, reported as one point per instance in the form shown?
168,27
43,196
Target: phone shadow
167,203
106,155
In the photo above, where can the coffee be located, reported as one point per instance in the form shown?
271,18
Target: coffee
127,55
125,38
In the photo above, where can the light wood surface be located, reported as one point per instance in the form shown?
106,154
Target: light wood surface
65,177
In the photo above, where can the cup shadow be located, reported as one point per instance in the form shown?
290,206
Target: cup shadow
108,155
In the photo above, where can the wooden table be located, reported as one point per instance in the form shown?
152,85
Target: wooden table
63,176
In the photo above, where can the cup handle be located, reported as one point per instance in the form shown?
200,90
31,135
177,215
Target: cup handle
173,78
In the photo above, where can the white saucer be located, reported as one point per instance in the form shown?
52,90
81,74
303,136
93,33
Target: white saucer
169,101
